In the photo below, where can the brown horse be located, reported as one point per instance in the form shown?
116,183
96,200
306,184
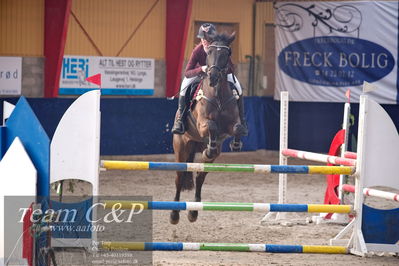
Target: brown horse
212,118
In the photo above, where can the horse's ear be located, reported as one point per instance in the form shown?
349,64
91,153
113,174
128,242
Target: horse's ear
231,38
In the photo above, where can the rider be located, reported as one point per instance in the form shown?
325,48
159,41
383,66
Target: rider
196,69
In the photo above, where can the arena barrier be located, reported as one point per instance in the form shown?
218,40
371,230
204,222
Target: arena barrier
181,246
224,206
214,167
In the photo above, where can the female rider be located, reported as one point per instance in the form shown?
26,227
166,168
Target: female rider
196,68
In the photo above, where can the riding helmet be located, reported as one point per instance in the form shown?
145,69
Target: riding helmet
206,31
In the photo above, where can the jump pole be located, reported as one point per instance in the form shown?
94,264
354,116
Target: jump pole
317,157
181,246
223,206
372,192
210,167
350,155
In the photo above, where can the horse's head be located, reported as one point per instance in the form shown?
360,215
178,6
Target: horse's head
218,57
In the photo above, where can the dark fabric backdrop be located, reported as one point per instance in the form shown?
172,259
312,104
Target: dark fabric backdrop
132,126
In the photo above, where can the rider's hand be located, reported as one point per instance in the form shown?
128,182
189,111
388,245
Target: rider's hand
204,68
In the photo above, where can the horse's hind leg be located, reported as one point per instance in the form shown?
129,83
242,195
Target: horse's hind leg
184,180
175,215
199,180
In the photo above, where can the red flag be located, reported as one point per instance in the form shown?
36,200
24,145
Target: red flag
96,79
348,95
27,238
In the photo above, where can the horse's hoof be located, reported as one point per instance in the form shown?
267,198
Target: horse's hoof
174,217
192,216
235,146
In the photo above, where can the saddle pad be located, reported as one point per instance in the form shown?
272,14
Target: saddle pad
194,95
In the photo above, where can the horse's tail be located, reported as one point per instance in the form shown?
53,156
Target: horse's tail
187,181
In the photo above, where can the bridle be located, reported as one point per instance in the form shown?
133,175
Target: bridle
221,71
218,48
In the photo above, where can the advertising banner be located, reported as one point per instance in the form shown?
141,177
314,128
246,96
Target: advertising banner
325,48
10,75
120,76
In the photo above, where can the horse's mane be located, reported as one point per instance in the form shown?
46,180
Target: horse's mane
221,37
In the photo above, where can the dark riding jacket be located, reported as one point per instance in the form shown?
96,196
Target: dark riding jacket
197,60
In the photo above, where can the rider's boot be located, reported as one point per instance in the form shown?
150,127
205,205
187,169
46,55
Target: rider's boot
178,127
242,115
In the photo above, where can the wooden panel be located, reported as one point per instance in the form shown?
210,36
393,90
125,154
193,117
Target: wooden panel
21,27
110,24
267,78
264,14
224,12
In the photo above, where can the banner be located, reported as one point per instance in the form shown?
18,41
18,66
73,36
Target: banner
10,75
119,76
325,48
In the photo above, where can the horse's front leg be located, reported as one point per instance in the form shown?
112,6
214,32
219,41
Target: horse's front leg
211,151
199,181
193,215
236,144
175,215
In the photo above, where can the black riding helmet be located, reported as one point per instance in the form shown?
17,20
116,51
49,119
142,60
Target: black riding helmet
206,31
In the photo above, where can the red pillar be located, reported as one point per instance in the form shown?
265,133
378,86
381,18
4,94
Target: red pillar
177,24
56,17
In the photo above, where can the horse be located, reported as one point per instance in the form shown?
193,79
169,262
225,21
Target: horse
212,118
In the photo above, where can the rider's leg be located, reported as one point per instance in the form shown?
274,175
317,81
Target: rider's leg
240,102
242,114
178,127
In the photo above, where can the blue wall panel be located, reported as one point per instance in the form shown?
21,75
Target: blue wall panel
142,125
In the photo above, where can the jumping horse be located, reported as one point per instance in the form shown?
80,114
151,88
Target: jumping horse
212,118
